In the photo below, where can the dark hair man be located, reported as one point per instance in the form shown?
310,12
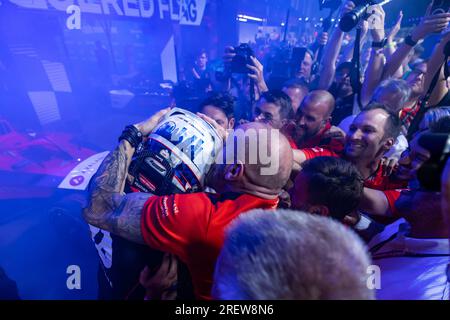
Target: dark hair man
273,108
329,187
220,107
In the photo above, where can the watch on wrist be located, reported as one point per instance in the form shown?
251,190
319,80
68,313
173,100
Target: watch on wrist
410,42
379,44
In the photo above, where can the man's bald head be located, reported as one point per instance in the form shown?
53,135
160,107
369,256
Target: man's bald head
322,101
258,160
313,115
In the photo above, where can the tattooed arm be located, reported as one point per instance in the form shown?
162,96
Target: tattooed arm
108,208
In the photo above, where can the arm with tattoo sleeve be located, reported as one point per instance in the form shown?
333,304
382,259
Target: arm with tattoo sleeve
108,208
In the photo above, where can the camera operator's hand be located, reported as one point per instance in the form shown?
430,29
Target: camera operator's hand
228,55
346,8
147,126
376,23
430,24
257,74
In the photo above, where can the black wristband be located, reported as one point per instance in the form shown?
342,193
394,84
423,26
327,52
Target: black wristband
133,136
380,44
410,42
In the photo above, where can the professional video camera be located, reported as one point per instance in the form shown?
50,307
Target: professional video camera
429,175
241,59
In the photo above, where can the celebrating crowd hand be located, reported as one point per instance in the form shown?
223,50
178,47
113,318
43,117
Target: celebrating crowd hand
430,24
161,285
396,28
147,126
388,165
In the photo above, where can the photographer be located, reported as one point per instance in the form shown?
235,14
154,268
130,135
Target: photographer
255,70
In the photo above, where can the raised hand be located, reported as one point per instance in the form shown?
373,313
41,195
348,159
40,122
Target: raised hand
396,28
147,126
257,74
430,24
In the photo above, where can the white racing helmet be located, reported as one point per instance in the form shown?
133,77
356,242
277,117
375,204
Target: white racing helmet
178,155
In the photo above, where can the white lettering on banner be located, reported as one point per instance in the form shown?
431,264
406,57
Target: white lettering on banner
73,21
60,4
163,7
147,12
113,3
131,11
33,4
188,12
175,10
87,7
192,12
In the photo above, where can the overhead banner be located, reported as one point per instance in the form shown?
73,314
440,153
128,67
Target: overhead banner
187,12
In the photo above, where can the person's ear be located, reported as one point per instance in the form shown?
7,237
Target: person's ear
320,210
389,143
231,123
234,171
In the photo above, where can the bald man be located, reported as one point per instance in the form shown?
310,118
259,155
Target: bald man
191,226
313,121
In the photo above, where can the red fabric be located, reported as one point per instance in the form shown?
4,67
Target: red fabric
376,181
192,226
335,145
317,139
407,115
312,153
379,182
292,143
392,196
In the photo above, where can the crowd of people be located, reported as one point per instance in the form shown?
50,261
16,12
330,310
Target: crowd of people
288,182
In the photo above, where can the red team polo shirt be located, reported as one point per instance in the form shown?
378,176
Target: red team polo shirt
333,144
192,227
390,187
